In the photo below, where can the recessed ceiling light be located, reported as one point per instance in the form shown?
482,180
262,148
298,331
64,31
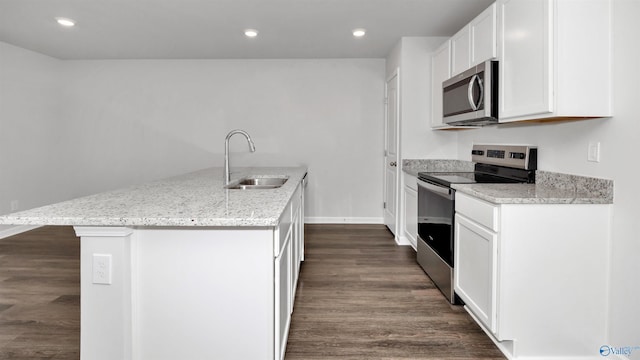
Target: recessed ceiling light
359,32
65,22
251,33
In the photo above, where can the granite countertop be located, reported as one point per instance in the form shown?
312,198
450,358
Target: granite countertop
194,199
550,188
414,166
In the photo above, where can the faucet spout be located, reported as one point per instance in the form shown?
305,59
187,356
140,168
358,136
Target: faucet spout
252,148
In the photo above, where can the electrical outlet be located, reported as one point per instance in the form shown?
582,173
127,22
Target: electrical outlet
593,153
15,204
102,269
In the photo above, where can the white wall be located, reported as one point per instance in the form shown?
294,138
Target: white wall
32,142
417,141
119,122
563,148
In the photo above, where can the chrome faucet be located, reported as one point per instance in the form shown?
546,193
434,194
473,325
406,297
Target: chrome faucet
252,148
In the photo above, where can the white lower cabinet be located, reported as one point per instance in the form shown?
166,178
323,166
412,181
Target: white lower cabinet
287,267
475,279
297,239
410,209
532,275
283,295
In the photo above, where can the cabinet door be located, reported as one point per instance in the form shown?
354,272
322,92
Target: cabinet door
410,200
440,71
460,51
282,297
483,36
525,57
296,249
303,186
476,268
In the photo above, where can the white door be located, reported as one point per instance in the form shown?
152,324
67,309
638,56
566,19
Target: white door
391,154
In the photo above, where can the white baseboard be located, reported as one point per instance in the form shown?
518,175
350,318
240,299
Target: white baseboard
343,220
405,241
15,230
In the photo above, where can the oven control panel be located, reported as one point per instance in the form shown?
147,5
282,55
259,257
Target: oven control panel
515,156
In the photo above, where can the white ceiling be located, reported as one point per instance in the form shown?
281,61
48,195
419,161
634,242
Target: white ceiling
213,29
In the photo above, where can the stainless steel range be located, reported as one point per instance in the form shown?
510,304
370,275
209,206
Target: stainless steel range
436,204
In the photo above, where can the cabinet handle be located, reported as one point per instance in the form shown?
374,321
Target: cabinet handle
393,163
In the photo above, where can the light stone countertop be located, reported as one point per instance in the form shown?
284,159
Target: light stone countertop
527,194
190,200
414,166
550,188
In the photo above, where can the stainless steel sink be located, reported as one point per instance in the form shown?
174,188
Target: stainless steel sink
258,183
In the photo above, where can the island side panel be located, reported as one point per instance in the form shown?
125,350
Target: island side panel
105,309
178,294
204,294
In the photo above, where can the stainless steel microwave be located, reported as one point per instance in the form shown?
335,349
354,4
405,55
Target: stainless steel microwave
471,98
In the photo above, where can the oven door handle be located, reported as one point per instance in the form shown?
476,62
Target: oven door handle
438,189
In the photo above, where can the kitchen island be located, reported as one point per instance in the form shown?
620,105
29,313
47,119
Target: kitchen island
183,268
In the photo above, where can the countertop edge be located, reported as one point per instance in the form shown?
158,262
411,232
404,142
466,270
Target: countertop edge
526,194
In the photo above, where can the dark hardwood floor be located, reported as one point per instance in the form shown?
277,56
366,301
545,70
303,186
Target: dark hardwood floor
40,295
360,297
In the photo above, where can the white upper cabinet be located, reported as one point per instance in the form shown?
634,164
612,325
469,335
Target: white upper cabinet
460,51
474,43
484,41
555,59
440,71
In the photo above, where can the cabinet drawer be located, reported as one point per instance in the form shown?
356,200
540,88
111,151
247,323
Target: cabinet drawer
482,212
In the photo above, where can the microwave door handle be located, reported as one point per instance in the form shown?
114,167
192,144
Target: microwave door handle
472,103
481,86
